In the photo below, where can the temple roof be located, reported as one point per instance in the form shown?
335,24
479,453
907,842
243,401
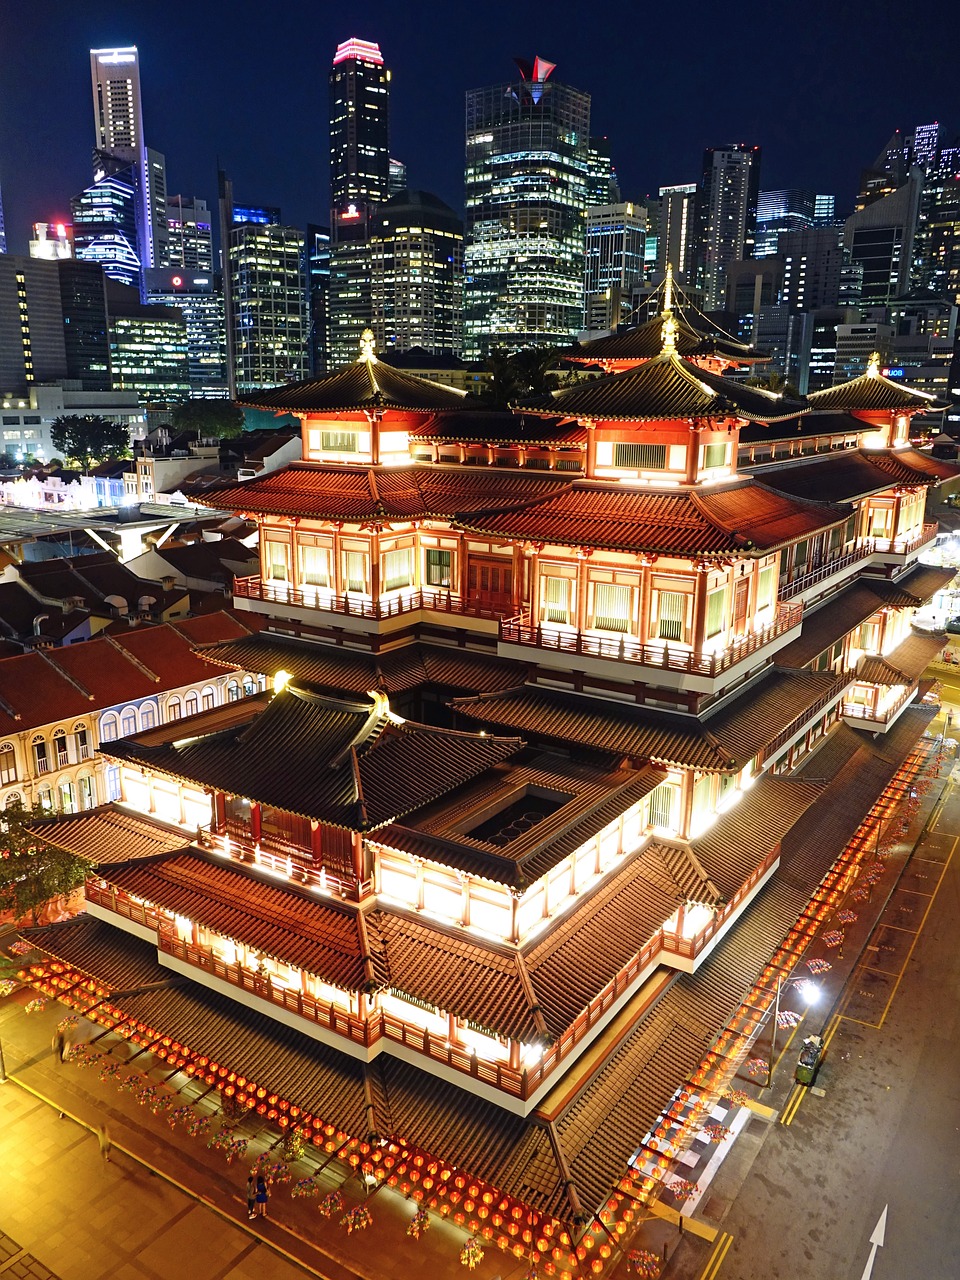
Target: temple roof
501,427
855,473
665,387
904,664
701,340
108,835
338,670
742,516
350,764
366,384
719,743
871,391
363,494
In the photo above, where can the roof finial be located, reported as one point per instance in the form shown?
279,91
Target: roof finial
668,289
368,350
873,365
669,334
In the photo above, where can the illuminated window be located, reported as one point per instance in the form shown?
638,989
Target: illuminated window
8,763
314,566
338,441
611,607
556,600
714,455
766,586
716,603
672,609
354,571
439,568
662,804
398,569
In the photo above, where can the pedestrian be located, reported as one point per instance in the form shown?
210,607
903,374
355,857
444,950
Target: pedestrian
59,1045
263,1195
251,1195
103,1137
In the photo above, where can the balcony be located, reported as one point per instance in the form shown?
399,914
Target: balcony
659,655
796,586
858,716
903,547
364,608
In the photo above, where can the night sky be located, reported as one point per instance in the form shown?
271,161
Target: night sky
820,86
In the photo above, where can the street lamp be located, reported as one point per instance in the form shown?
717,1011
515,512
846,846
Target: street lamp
809,993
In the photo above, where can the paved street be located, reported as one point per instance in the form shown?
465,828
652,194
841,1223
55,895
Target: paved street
800,1197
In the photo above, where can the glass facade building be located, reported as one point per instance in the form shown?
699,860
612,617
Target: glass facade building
726,215
105,226
526,178
189,235
148,347
269,310
200,301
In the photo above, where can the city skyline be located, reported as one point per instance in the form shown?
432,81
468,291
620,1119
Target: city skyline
813,128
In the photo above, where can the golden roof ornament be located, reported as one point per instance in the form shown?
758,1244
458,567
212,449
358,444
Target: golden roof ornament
368,350
873,365
668,289
669,334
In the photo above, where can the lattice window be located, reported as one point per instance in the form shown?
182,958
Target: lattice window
716,608
439,568
339,441
662,804
611,607
640,457
557,602
671,615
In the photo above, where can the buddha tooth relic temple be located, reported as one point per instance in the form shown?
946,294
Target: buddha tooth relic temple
569,712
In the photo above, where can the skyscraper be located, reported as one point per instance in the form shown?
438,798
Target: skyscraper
268,304
602,185
781,211
148,346
416,250
105,226
880,238
937,243
189,238
318,291
195,294
615,243
527,163
726,214
676,234
120,145
359,181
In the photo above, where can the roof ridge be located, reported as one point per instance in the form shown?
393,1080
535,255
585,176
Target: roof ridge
81,688
133,659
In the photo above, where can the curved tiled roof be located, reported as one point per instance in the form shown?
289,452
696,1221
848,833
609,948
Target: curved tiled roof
739,517
664,388
365,384
108,835
855,473
499,428
874,392
364,494
646,341
349,764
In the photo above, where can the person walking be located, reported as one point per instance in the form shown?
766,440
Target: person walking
251,1195
263,1195
103,1137
59,1045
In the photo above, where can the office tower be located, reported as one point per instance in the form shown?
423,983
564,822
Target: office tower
148,346
51,240
676,234
880,237
927,139
198,297
527,160
3,232
397,178
602,185
812,267
86,336
359,181
189,237
615,246
416,252
31,323
318,290
120,145
824,209
779,211
726,214
105,226
937,243
267,303
856,343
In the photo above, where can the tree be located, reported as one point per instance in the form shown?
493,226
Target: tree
212,419
90,438
520,373
32,871
777,383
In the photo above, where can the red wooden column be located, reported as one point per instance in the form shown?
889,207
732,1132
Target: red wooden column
700,607
256,821
693,453
591,463
356,849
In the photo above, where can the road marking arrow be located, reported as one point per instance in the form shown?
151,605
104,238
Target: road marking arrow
876,1242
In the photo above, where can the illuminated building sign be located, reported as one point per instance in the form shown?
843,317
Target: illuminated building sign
350,214
894,373
362,50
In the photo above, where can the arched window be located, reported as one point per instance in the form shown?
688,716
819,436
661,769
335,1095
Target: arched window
45,796
108,728
68,801
249,687
233,692
8,763
208,698
148,716
191,704
14,801
174,709
128,721
60,748
85,789
41,758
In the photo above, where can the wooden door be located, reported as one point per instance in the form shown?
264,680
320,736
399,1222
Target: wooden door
741,599
490,584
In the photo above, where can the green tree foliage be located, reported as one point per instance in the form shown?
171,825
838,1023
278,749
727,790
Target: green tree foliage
33,871
90,439
528,372
212,419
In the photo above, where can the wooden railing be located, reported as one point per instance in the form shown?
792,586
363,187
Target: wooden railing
856,710
794,586
283,857
660,654
903,546
797,722
362,606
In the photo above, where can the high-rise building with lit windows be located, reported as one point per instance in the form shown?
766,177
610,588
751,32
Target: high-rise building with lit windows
148,347
416,250
268,304
676,233
526,177
726,215
615,243
189,237
359,182
197,296
105,226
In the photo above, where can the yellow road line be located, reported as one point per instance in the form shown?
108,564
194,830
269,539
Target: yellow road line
760,1109
715,1261
690,1225
941,801
933,897
793,1104
899,928
884,973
